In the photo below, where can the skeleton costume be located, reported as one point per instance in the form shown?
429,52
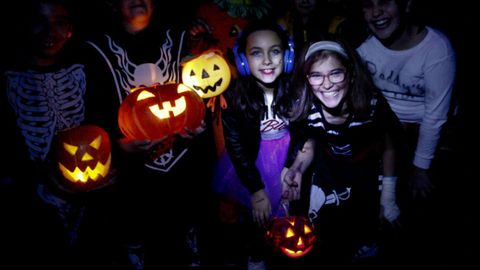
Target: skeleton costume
118,62
133,61
43,102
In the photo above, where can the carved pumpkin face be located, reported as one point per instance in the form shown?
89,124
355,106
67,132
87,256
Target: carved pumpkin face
160,110
293,235
84,156
208,74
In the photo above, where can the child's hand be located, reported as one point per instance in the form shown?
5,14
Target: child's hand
291,184
261,207
189,134
139,146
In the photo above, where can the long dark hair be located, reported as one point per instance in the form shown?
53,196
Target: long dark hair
361,87
247,96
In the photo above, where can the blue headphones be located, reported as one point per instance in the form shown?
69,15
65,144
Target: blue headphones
288,57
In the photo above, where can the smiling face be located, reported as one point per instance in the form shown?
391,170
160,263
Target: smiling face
305,7
331,69
160,110
136,14
51,28
84,156
208,74
264,54
383,17
293,235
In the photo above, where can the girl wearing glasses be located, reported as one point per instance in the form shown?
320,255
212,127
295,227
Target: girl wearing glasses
350,134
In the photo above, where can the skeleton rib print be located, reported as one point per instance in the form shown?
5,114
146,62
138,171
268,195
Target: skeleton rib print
46,102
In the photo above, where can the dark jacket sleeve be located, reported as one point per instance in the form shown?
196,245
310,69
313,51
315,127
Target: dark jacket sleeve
242,141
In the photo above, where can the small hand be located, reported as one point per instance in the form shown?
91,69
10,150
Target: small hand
291,184
420,184
393,223
189,133
261,207
139,146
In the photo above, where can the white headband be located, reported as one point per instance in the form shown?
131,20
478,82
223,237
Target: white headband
325,45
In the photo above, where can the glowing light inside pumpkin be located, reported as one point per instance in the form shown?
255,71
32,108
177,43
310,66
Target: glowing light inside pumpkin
100,170
78,175
292,235
144,95
160,111
180,106
183,88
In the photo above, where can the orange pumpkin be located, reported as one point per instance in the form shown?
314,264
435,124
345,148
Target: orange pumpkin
160,111
292,235
208,74
84,157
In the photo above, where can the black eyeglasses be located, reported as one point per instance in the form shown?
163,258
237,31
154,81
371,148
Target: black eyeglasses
336,76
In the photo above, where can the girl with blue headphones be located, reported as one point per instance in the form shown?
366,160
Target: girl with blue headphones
256,128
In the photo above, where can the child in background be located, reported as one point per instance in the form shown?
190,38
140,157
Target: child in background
414,66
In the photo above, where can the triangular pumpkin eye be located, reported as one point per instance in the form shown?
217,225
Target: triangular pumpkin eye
192,73
215,67
144,95
70,148
96,143
289,233
306,229
204,74
87,157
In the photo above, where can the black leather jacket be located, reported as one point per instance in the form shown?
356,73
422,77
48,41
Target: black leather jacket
242,141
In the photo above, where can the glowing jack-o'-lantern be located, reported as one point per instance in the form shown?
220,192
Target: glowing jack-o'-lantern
160,111
208,74
84,157
292,235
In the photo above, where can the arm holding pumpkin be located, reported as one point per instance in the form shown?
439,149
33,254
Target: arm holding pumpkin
139,146
189,133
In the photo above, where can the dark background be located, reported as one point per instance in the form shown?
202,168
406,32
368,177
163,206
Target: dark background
454,18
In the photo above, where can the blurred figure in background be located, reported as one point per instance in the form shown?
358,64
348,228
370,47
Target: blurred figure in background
414,66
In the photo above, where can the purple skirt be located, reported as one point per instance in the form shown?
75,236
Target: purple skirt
270,162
